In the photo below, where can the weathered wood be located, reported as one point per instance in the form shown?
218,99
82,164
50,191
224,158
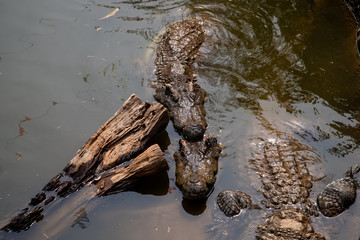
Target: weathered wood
124,136
148,163
120,139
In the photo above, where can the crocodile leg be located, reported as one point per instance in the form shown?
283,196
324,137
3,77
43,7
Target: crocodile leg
338,195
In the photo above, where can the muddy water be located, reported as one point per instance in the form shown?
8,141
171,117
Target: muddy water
64,71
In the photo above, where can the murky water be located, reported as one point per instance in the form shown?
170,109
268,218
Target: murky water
64,71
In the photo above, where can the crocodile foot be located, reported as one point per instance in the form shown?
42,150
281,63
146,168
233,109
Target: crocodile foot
231,202
338,195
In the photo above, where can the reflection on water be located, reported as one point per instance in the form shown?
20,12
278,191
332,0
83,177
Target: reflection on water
259,59
288,64
157,185
194,208
81,218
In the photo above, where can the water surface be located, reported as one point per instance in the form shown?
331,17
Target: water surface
64,72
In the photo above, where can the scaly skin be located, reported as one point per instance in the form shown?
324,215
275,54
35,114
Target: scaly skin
286,184
287,223
196,167
226,200
280,162
176,86
338,195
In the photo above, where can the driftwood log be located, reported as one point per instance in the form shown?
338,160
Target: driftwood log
148,163
123,137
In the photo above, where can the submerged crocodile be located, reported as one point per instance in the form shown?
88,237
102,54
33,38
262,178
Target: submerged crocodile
176,84
281,162
177,90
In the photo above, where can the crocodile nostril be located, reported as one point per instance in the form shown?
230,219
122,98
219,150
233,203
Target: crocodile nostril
194,180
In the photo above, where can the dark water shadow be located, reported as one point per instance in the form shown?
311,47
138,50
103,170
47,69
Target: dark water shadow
162,139
194,208
157,185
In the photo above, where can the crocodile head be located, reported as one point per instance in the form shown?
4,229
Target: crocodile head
196,167
185,101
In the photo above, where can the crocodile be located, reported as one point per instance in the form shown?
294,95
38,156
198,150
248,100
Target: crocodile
176,88
196,167
280,161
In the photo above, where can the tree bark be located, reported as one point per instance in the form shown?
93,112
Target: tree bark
149,163
124,136
120,139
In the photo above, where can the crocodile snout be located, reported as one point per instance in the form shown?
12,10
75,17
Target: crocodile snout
195,189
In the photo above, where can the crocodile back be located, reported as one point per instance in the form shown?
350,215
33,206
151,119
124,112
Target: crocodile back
280,161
